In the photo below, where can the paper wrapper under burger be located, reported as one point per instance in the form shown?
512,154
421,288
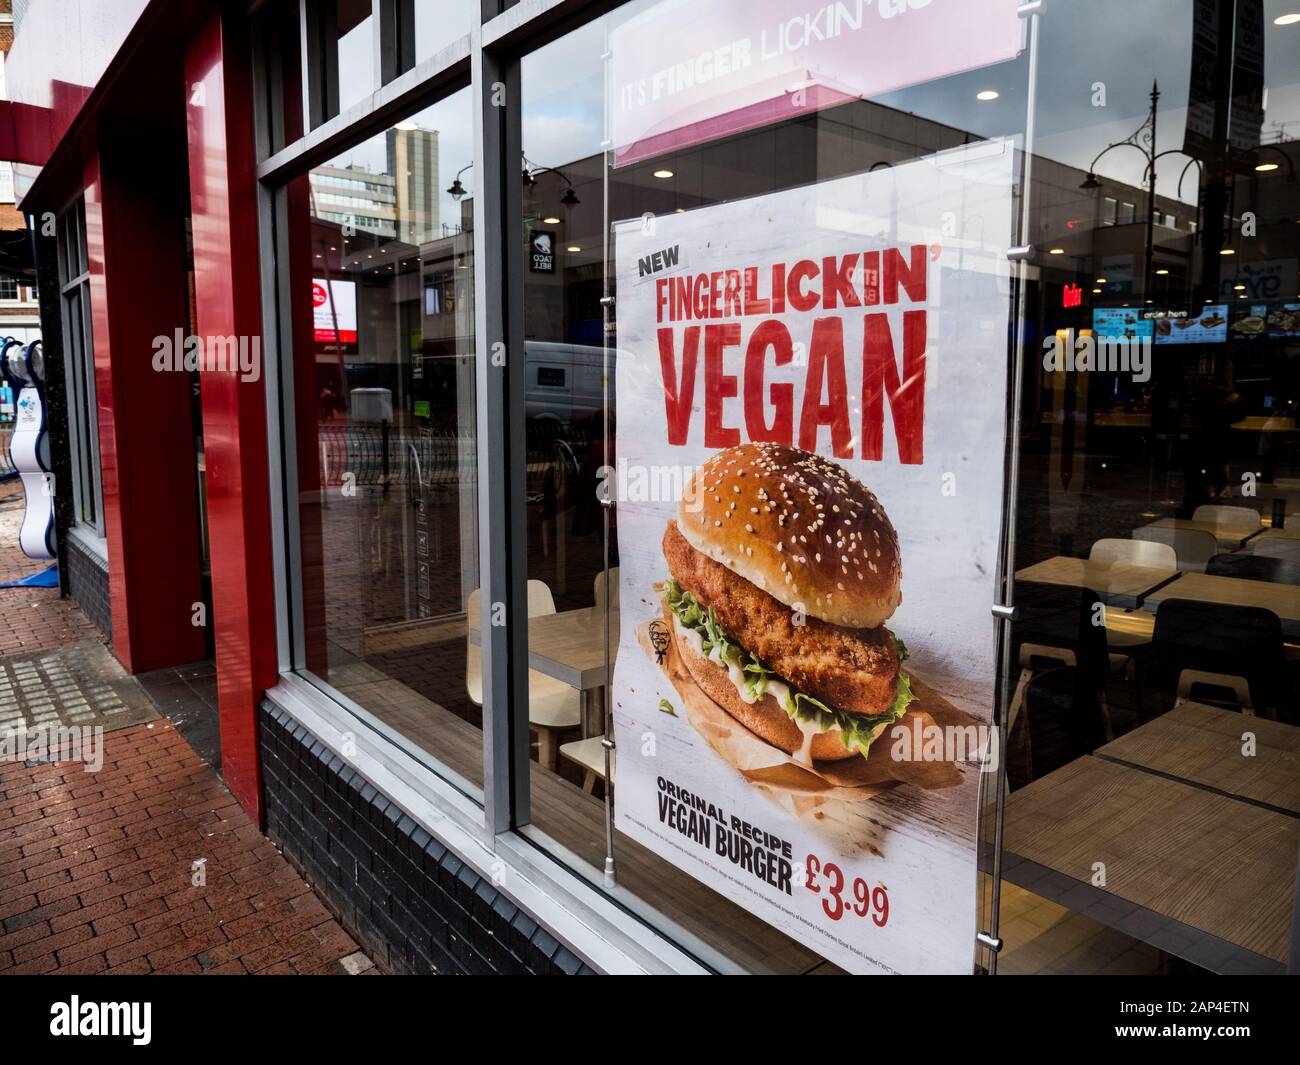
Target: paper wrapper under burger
849,780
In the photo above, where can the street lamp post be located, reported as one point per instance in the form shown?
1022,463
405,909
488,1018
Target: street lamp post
1144,140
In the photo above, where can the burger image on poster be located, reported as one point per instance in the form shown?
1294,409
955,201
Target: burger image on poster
782,572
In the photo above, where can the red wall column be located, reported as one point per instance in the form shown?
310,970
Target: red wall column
223,199
135,243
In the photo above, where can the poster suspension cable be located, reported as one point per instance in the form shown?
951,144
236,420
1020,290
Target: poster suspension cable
607,501
1005,611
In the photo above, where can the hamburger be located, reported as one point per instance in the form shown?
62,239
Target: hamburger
783,569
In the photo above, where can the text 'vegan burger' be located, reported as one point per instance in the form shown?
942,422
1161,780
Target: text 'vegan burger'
784,569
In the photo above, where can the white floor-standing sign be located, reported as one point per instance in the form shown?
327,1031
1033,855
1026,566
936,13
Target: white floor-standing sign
29,447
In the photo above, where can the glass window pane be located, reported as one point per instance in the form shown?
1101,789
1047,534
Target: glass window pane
1156,494
384,370
356,51
585,179
439,22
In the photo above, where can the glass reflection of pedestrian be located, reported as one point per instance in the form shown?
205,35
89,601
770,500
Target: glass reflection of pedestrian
326,403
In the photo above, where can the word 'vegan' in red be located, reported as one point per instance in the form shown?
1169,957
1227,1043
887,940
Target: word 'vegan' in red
870,279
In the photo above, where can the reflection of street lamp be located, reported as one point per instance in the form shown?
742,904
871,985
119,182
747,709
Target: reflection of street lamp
532,171
529,176
1144,140
457,190
1264,168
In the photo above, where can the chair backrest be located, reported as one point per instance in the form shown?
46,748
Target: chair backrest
1230,517
1240,641
1194,549
1283,549
1136,553
598,589
473,656
1057,615
540,601
1255,568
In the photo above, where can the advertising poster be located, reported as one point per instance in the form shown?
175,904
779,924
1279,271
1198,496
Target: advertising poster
1208,326
1121,322
685,73
810,439
334,310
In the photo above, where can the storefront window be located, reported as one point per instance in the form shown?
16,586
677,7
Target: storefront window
1148,759
596,168
384,364
835,244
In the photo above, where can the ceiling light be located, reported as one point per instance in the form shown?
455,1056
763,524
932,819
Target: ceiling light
663,172
1227,251
986,95
1101,280
1264,168
573,247
1239,288
1055,251
1289,19
551,220
1096,290
1162,271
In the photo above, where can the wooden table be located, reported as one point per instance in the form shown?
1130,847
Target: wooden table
1114,581
569,646
1204,745
1211,862
1228,537
1290,532
1282,599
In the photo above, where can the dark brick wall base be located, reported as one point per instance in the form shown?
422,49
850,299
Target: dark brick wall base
409,901
88,585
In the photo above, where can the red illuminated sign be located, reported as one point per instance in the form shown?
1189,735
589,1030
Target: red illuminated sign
1072,296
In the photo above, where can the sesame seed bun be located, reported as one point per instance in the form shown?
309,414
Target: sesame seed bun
799,527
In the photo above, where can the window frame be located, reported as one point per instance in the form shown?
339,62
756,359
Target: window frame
79,368
484,60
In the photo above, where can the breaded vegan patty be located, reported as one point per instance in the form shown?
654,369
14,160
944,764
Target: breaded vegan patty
853,669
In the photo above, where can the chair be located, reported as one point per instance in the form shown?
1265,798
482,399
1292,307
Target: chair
1193,549
1238,648
598,589
1229,517
1287,550
1256,567
1135,553
553,707
1057,626
589,756
1062,703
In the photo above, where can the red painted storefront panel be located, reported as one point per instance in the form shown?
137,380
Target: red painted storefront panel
226,265
135,242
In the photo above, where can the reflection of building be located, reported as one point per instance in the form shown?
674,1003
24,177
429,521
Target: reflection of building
355,198
413,162
401,202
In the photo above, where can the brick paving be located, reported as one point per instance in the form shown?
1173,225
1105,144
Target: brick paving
98,871
147,864
31,619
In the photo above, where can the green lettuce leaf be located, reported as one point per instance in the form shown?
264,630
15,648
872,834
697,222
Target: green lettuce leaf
857,731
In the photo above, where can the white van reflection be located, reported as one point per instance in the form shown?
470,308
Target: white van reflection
563,381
